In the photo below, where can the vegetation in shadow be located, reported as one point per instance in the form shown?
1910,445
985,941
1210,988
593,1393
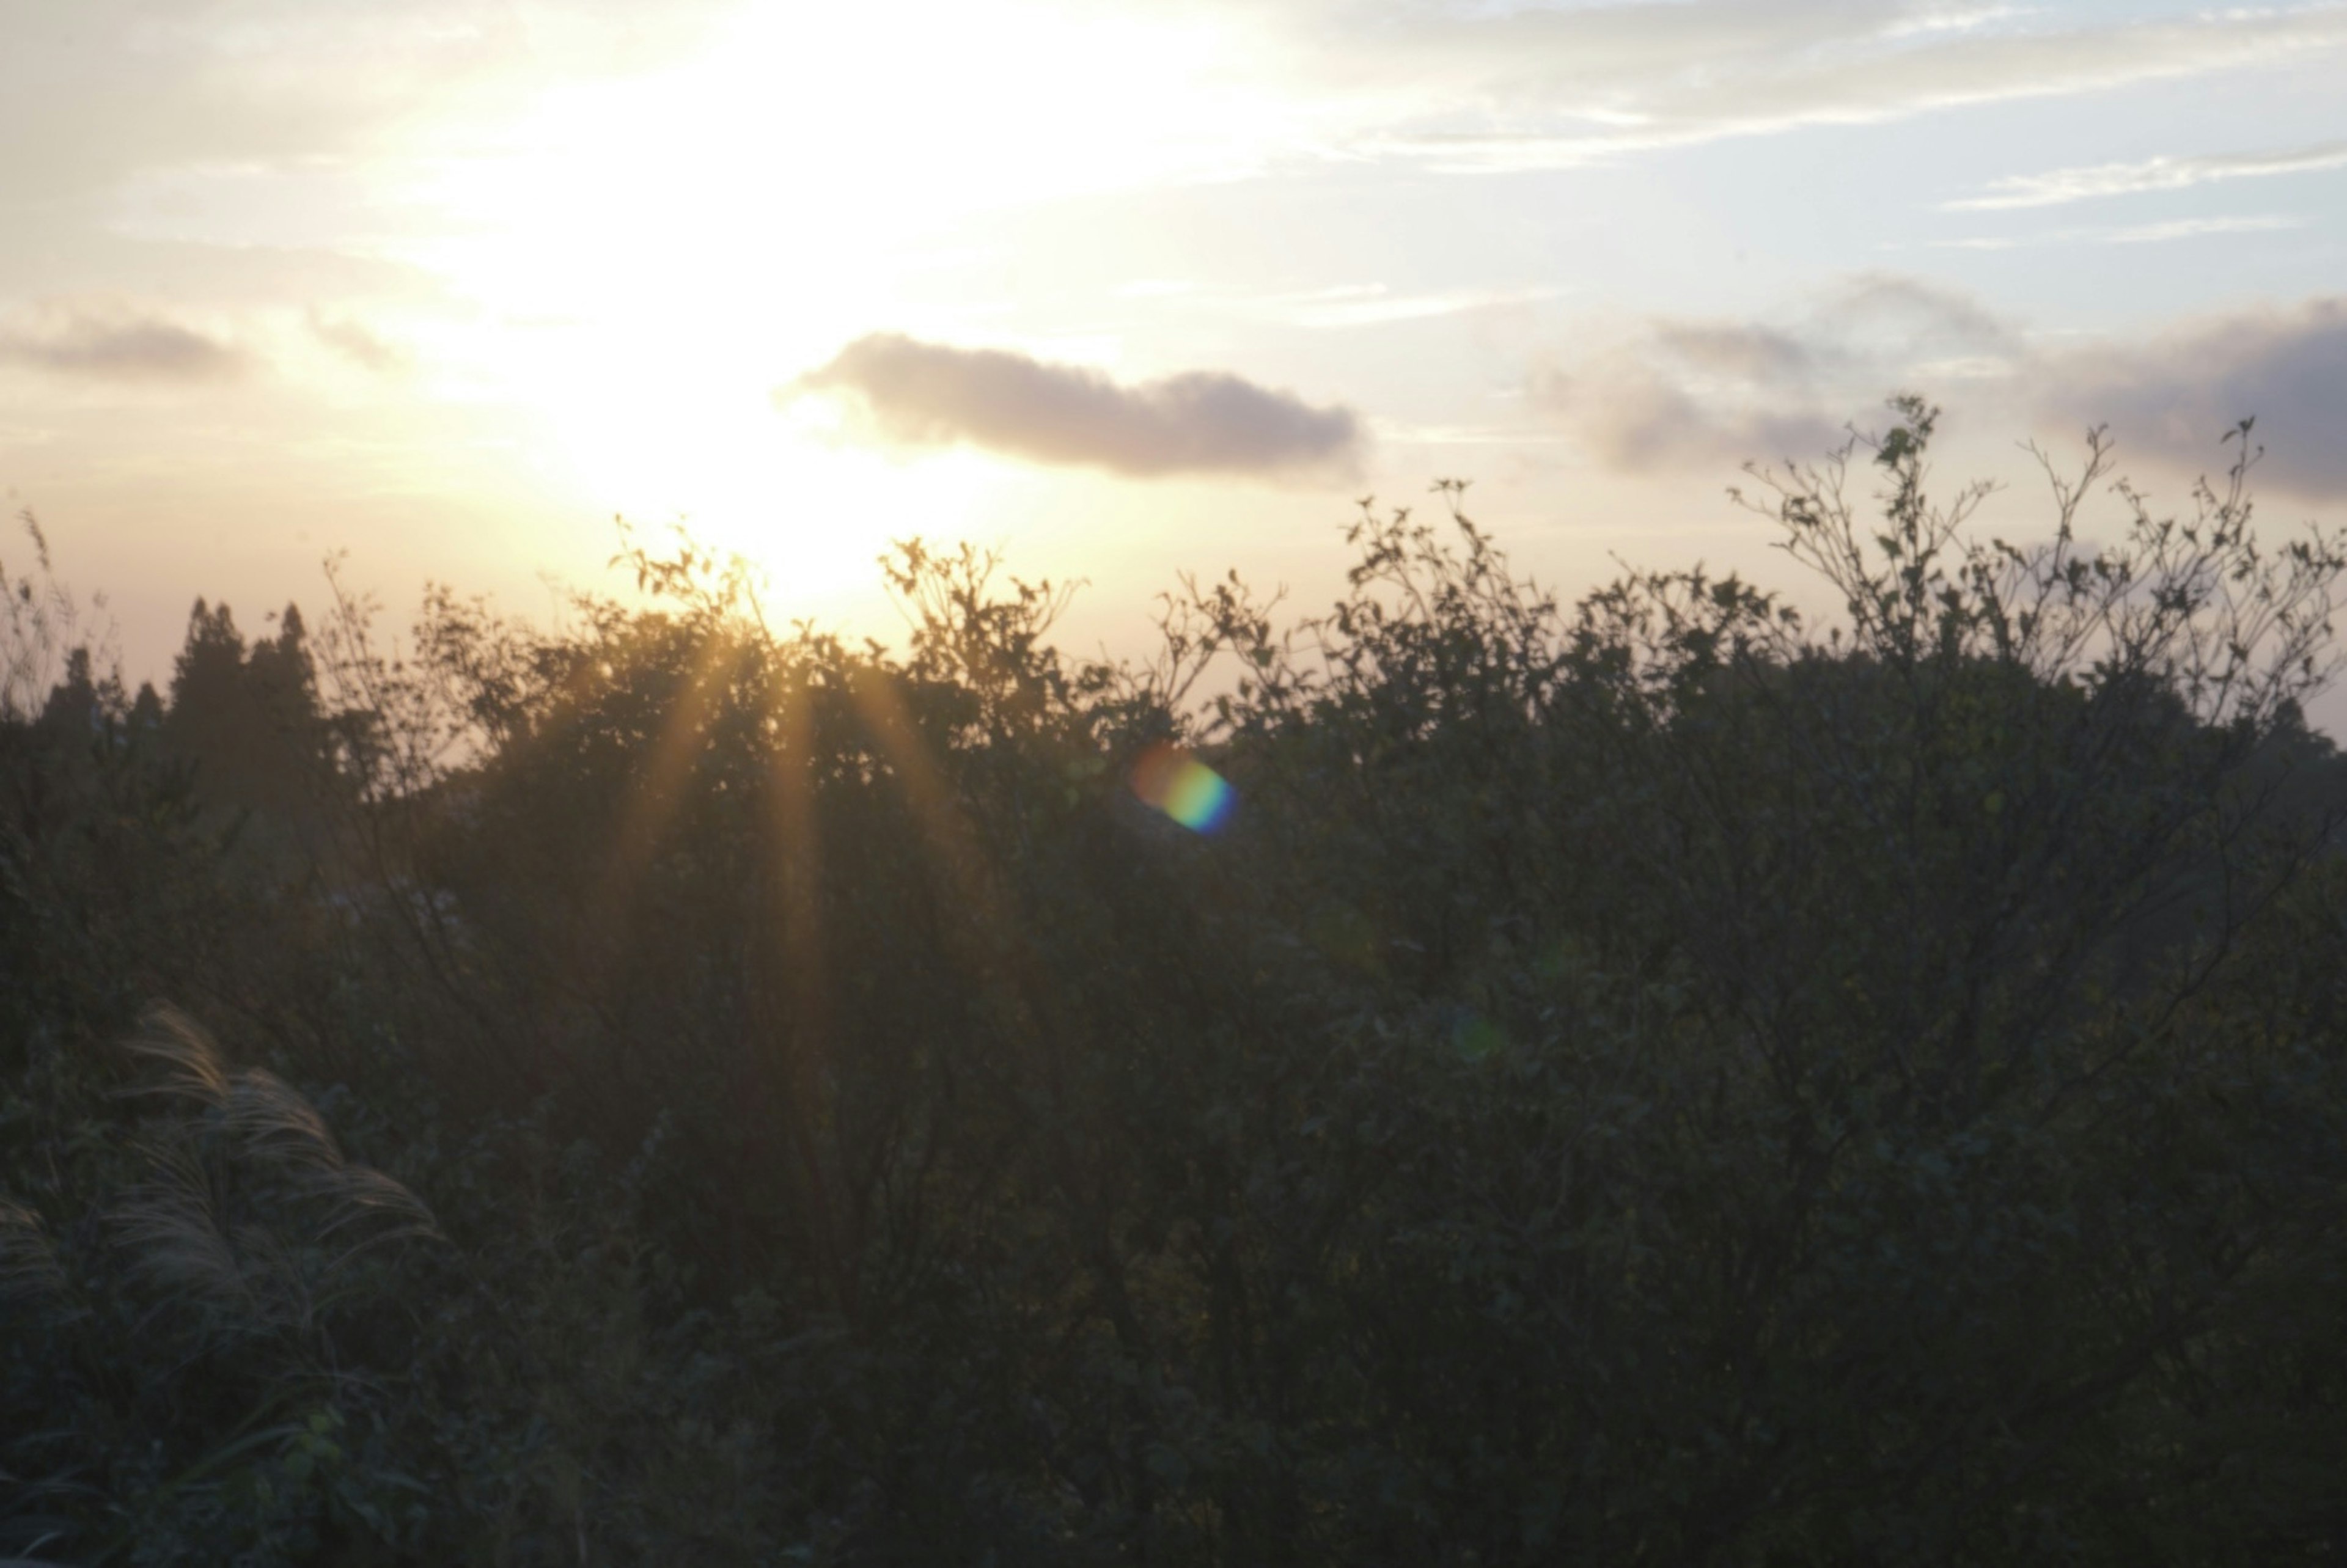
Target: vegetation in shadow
1645,1080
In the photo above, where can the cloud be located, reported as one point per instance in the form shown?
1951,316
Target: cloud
1679,392
2180,392
1546,87
1374,305
917,395
119,344
1874,314
356,344
2061,186
2129,234
94,92
2193,228
1636,415
1728,348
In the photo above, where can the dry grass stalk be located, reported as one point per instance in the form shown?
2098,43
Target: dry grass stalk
28,1263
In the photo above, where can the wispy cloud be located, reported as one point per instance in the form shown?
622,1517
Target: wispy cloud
1682,392
2193,228
920,394
1718,392
2059,187
1638,413
1544,87
1756,354
2129,234
1340,306
118,344
358,343
1374,305
94,92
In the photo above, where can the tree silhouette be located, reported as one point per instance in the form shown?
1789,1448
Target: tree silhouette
247,716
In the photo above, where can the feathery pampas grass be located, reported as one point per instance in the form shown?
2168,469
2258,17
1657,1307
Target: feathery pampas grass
248,1206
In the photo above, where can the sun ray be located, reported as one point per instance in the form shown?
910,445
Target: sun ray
658,789
796,1086
797,850
955,850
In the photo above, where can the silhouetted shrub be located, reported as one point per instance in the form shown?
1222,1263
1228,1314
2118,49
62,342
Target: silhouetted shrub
1640,1080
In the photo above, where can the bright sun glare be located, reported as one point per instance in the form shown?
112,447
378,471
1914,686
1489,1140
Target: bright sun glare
651,258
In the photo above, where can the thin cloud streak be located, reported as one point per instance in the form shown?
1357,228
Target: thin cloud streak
915,395
2129,234
1373,305
1564,88
99,90
2060,187
2193,228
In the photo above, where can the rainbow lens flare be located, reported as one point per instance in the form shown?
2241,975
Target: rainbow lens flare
1184,788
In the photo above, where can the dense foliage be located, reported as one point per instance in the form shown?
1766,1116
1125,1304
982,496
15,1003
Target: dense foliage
1640,1081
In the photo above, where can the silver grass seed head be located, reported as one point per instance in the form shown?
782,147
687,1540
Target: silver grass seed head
270,1118
188,1060
29,1270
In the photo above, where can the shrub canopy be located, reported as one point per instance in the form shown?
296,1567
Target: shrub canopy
1645,1080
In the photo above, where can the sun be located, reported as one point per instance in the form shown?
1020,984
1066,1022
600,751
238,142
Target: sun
658,435
646,259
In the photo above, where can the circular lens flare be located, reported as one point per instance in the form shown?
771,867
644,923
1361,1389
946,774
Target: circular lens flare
1173,781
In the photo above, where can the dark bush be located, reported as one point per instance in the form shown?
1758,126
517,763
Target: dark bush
1638,1080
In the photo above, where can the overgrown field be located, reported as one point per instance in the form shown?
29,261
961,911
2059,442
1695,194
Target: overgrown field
1642,1081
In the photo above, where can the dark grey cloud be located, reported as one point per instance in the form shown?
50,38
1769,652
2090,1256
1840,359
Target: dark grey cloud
2177,395
103,344
915,393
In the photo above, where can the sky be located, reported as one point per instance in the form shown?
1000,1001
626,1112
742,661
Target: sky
441,289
